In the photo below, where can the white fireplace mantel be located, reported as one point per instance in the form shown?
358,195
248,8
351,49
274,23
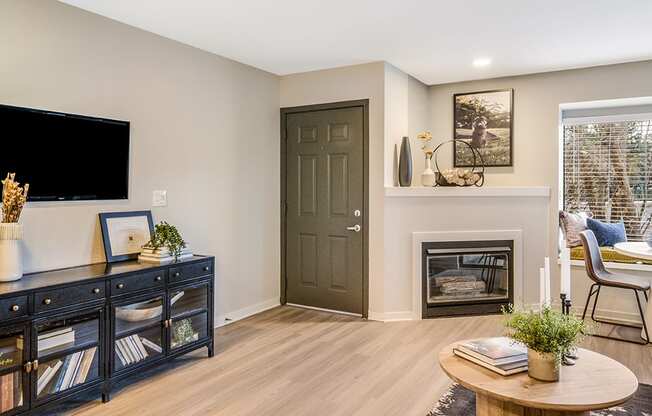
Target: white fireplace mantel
469,191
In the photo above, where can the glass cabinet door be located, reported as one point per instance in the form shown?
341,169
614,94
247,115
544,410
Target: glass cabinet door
13,378
68,353
188,315
138,332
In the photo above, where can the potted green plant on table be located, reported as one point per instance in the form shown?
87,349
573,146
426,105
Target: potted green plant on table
167,237
548,334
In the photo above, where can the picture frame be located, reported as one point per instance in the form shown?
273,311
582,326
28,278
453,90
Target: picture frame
124,233
485,120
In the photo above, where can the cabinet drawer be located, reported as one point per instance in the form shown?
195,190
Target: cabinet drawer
189,271
13,307
54,299
138,282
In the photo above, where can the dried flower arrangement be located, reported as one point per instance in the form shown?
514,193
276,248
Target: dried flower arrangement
427,148
13,199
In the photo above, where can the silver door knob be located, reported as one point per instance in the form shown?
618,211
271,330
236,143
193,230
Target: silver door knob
355,228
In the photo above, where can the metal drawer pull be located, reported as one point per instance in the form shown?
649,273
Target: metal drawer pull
15,308
177,274
28,367
96,290
35,365
47,301
157,278
206,268
120,286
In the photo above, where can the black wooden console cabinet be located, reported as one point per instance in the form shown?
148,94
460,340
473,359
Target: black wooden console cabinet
78,330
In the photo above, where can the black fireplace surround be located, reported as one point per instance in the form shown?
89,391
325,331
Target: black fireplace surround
466,277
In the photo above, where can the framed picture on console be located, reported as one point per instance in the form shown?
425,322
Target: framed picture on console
125,233
484,120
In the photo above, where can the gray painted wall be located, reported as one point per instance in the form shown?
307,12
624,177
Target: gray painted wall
204,128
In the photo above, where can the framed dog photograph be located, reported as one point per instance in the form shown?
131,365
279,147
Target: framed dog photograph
125,233
483,120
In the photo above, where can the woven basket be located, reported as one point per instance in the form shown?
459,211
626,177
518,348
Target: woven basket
478,166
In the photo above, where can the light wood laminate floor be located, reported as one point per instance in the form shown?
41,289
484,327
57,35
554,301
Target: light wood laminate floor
291,361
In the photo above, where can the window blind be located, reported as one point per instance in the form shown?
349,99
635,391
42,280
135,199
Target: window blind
607,170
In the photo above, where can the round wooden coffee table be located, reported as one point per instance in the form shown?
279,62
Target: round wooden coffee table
594,382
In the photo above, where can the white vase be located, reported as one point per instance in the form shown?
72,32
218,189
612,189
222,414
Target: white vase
428,176
11,261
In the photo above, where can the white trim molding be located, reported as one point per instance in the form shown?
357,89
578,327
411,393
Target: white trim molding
418,238
469,192
237,315
314,308
391,316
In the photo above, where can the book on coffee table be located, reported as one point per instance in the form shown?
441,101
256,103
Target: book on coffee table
494,351
503,370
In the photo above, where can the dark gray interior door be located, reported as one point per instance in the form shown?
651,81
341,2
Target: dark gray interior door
325,195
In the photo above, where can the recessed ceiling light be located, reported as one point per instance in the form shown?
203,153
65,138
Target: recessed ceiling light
481,62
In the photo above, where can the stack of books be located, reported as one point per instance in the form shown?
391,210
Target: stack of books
501,354
52,339
162,255
10,391
131,349
67,372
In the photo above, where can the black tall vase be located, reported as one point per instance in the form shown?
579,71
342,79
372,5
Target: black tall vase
405,164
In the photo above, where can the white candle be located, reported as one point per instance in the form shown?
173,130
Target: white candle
542,287
546,267
565,272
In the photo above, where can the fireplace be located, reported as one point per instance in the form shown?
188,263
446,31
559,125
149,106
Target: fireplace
467,277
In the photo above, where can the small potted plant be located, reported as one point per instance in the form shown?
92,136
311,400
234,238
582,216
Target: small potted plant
548,334
166,236
11,232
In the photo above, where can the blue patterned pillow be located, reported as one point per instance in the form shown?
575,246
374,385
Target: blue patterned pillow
607,234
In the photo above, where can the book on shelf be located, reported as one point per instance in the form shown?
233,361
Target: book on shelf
85,365
162,259
151,345
502,369
10,391
163,251
69,371
494,351
73,370
47,376
130,350
51,339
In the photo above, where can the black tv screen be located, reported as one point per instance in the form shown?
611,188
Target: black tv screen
65,156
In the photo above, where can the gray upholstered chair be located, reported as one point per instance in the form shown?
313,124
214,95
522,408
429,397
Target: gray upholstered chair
602,277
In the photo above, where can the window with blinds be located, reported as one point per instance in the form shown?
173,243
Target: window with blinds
607,168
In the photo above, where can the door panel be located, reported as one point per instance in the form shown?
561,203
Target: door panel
325,187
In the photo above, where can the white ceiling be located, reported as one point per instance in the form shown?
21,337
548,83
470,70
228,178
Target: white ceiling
433,40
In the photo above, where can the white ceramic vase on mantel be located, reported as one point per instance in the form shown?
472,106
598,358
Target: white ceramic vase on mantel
11,262
428,175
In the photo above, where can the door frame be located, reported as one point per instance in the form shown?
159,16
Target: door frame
364,104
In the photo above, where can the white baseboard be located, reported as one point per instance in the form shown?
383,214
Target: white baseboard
234,316
314,308
392,316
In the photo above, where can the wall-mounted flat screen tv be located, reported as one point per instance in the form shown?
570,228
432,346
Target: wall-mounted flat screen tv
65,156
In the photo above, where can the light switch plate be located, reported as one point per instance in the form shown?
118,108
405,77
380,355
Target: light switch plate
159,198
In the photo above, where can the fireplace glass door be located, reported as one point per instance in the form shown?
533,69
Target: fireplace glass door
467,275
